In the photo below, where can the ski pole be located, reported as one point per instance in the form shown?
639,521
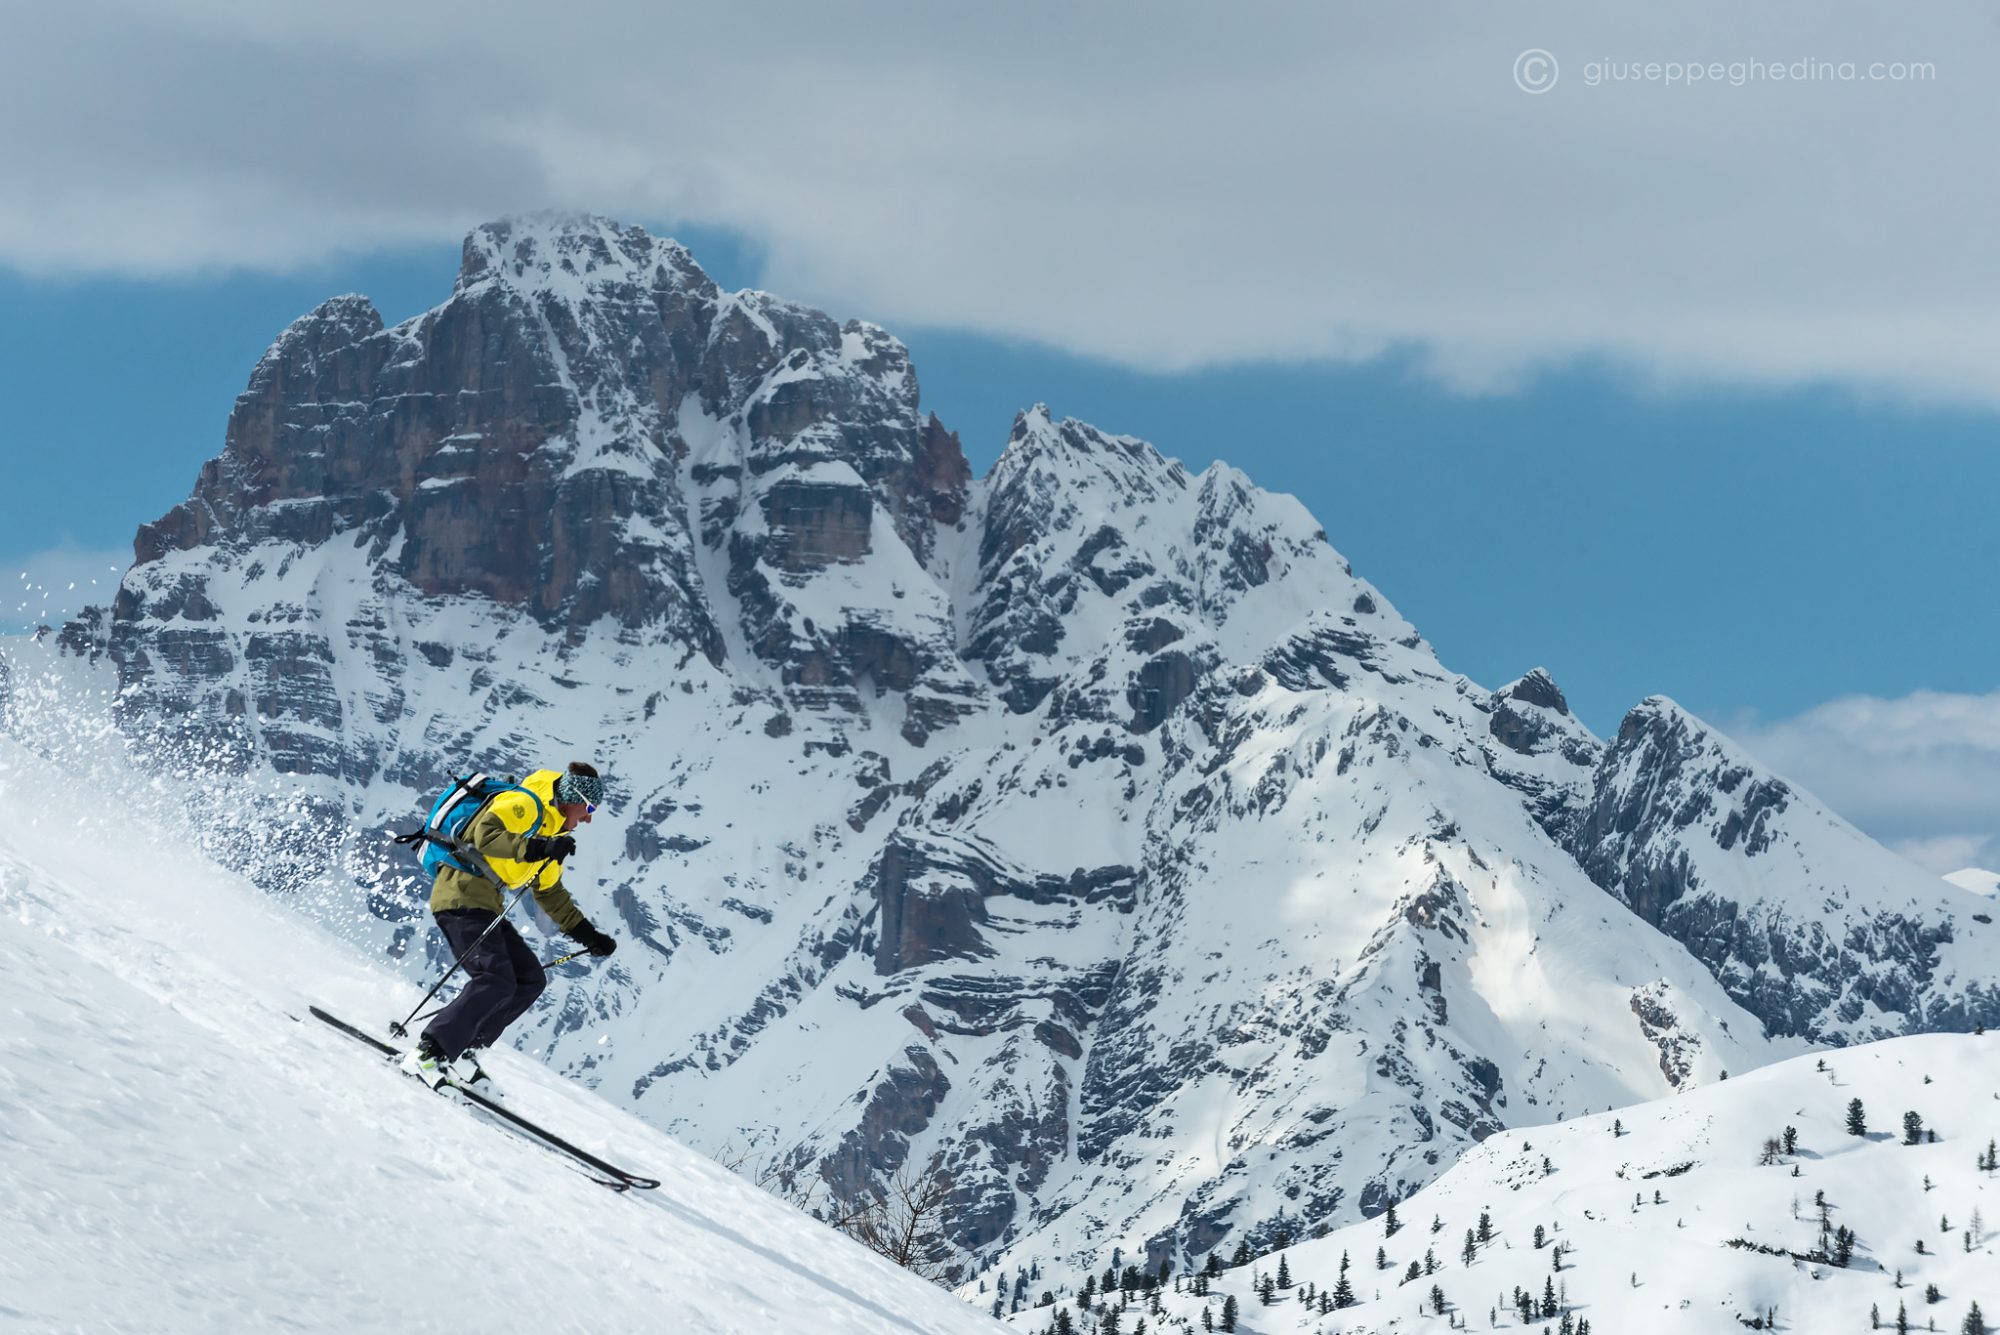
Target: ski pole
401,1027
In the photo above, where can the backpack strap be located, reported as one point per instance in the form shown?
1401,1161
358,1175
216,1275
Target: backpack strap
432,830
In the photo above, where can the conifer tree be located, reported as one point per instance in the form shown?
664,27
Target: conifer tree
1389,1221
1229,1312
1857,1120
1913,1128
1284,1272
1548,1298
1975,1322
1791,1140
1242,1255
1437,1299
1207,1317
1471,1252
1413,1272
1541,1237
1486,1226
1902,1320
1381,1258
1343,1292
1430,1261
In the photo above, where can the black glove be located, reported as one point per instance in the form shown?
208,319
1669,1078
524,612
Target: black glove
540,849
592,940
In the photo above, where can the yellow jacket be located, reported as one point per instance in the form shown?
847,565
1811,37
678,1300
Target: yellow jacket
500,833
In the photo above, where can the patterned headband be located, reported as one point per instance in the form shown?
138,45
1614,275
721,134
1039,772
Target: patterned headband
580,789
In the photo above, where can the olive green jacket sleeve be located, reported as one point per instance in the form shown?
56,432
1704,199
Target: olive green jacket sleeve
489,834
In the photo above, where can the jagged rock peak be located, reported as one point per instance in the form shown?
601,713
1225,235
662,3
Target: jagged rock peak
575,250
1659,721
1661,748
1537,687
1039,440
333,324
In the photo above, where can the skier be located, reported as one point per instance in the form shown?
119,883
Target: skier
503,977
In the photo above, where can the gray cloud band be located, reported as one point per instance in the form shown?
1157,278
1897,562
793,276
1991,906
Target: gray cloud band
1209,186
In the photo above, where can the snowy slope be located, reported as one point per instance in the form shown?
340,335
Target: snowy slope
1976,879
180,1154
1661,1210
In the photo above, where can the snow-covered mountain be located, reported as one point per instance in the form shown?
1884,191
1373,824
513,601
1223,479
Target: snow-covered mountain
186,1150
1713,1210
1976,879
1811,925
1088,832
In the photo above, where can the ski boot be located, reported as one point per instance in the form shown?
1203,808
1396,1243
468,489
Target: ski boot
465,1070
426,1063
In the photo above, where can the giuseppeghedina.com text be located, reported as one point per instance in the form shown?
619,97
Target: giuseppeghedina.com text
1737,73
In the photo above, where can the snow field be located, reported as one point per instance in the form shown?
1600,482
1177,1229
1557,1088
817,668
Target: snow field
180,1153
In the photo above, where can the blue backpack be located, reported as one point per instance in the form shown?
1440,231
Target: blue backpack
438,843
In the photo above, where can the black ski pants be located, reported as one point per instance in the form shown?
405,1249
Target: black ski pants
502,979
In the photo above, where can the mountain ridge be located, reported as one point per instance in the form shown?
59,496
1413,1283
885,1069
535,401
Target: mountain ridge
1145,814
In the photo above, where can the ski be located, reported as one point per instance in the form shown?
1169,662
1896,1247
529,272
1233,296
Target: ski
620,1180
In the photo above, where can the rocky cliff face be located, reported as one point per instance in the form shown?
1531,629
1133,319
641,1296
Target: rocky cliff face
1087,831
1810,925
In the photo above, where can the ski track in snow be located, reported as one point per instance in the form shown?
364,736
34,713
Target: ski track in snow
181,1154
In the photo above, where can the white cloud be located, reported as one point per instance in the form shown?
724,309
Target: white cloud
1920,773
49,587
1165,184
